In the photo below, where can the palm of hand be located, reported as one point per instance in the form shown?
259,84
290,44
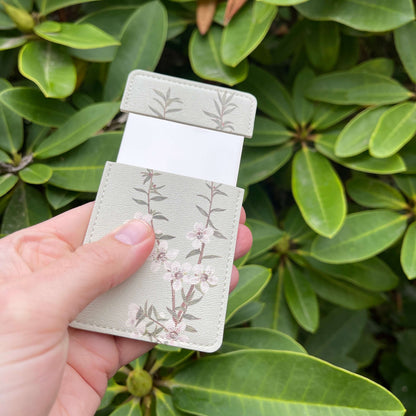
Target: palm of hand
69,367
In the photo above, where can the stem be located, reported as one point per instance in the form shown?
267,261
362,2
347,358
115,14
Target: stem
173,303
9,168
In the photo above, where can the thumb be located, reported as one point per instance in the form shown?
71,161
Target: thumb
69,284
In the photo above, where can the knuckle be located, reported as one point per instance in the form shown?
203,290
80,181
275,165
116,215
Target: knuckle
98,255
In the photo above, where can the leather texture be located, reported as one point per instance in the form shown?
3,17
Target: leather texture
189,102
179,297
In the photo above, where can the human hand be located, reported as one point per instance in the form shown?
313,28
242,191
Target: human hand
46,278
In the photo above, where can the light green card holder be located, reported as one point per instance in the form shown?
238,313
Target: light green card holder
179,297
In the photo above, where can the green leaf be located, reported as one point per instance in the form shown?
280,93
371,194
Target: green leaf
265,236
362,88
268,133
36,173
7,182
49,67
404,387
272,97
338,332
374,193
363,235
246,313
394,129
277,383
81,168
59,198
407,184
355,136
322,41
252,281
382,66
258,338
32,105
408,154
296,227
204,55
245,31
11,43
368,15
47,6
129,408
77,129
80,36
142,42
258,205
325,144
165,406
11,130
112,390
4,157
5,21
258,163
408,252
404,39
300,298
343,293
407,349
35,134
304,108
283,2
27,207
318,192
372,274
327,115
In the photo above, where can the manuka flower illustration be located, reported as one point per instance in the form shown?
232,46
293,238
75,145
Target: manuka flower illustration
204,276
200,235
177,273
143,217
162,254
174,332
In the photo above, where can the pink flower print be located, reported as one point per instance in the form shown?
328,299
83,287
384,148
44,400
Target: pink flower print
174,332
204,276
161,254
200,235
143,217
177,273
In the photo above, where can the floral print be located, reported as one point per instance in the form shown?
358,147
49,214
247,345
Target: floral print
161,254
177,274
146,217
200,235
204,277
174,332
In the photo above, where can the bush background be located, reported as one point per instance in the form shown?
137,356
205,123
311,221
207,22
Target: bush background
330,179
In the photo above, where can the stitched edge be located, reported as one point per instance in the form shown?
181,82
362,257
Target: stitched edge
189,84
224,300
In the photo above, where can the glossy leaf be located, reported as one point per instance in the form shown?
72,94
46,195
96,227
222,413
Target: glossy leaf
362,88
7,182
49,67
247,313
322,41
404,39
32,105
284,2
77,129
407,184
368,15
245,31
407,348
59,198
142,42
272,97
325,144
171,359
27,207
258,338
382,66
165,406
374,193
303,108
234,387
11,130
327,115
296,227
80,36
113,389
408,252
258,206
36,173
338,332
300,298
81,168
408,154
48,6
343,293
265,236
204,55
35,135
318,192
129,408
261,162
394,129
268,133
11,43
252,280
363,235
355,136
372,274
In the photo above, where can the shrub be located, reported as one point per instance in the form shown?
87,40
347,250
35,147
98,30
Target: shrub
330,179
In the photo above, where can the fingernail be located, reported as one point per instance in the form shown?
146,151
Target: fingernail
134,232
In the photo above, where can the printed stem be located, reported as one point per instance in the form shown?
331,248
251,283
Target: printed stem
173,303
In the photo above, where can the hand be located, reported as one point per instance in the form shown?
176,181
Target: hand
46,278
